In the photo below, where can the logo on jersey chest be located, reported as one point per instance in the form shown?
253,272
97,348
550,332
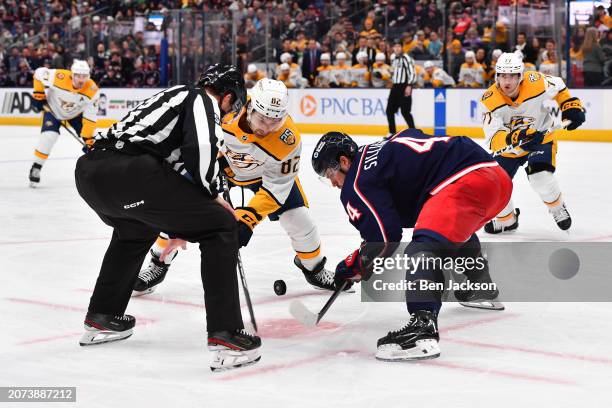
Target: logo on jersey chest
243,161
520,122
288,137
353,213
67,106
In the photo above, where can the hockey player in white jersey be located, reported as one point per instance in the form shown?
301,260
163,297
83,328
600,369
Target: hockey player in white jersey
515,114
63,95
261,153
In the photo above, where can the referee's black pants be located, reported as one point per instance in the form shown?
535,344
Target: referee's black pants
397,100
141,195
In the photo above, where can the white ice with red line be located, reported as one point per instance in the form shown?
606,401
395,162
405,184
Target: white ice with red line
52,244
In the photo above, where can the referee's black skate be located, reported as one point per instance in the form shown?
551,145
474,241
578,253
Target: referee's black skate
35,175
503,224
483,297
151,276
233,349
418,340
103,328
319,277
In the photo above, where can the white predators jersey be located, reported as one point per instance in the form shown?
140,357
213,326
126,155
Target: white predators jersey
439,78
272,160
471,75
65,101
528,110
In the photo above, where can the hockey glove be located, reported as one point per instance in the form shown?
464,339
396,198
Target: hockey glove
349,269
528,138
247,219
572,110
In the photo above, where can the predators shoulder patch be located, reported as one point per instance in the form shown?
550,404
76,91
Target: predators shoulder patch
288,137
487,95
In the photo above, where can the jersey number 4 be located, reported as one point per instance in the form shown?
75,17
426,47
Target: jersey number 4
420,145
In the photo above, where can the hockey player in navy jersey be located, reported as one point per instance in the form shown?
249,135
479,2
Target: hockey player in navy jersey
446,188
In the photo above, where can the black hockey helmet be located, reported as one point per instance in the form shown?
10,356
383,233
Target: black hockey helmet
223,79
330,147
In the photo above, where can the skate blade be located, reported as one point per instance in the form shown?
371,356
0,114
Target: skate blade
94,337
484,304
225,359
423,350
302,314
351,290
136,293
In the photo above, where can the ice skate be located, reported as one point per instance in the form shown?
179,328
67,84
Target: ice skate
503,224
102,328
561,216
151,276
320,278
35,175
418,340
233,349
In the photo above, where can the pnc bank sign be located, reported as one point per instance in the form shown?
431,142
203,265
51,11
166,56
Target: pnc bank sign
346,106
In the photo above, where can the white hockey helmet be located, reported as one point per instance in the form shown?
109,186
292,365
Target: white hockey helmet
509,63
285,67
470,54
285,57
362,56
340,56
325,56
496,53
380,57
270,98
252,68
80,67
428,64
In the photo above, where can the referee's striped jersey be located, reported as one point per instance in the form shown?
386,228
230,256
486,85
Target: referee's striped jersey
181,125
403,70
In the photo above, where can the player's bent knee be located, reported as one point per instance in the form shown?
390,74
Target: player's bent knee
546,185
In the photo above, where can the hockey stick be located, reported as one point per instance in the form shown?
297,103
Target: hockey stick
508,148
46,108
245,287
305,316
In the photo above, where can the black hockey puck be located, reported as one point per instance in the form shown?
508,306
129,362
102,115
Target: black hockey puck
280,287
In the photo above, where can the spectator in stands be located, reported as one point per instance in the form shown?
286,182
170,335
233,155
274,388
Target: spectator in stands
456,58
287,58
435,45
529,53
341,72
490,74
472,41
606,47
152,75
594,58
311,60
550,65
5,79
362,46
285,76
24,76
437,77
471,73
602,18
322,79
380,75
253,75
360,77
419,52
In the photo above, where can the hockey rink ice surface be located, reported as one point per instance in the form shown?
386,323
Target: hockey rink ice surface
52,244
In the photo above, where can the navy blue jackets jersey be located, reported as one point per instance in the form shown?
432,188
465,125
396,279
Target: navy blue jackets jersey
389,181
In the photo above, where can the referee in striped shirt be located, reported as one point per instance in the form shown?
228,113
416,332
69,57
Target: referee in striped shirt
156,170
400,96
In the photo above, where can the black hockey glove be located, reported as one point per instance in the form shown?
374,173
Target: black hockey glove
244,234
349,269
248,219
528,138
572,110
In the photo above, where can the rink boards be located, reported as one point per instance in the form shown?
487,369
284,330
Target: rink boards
355,111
